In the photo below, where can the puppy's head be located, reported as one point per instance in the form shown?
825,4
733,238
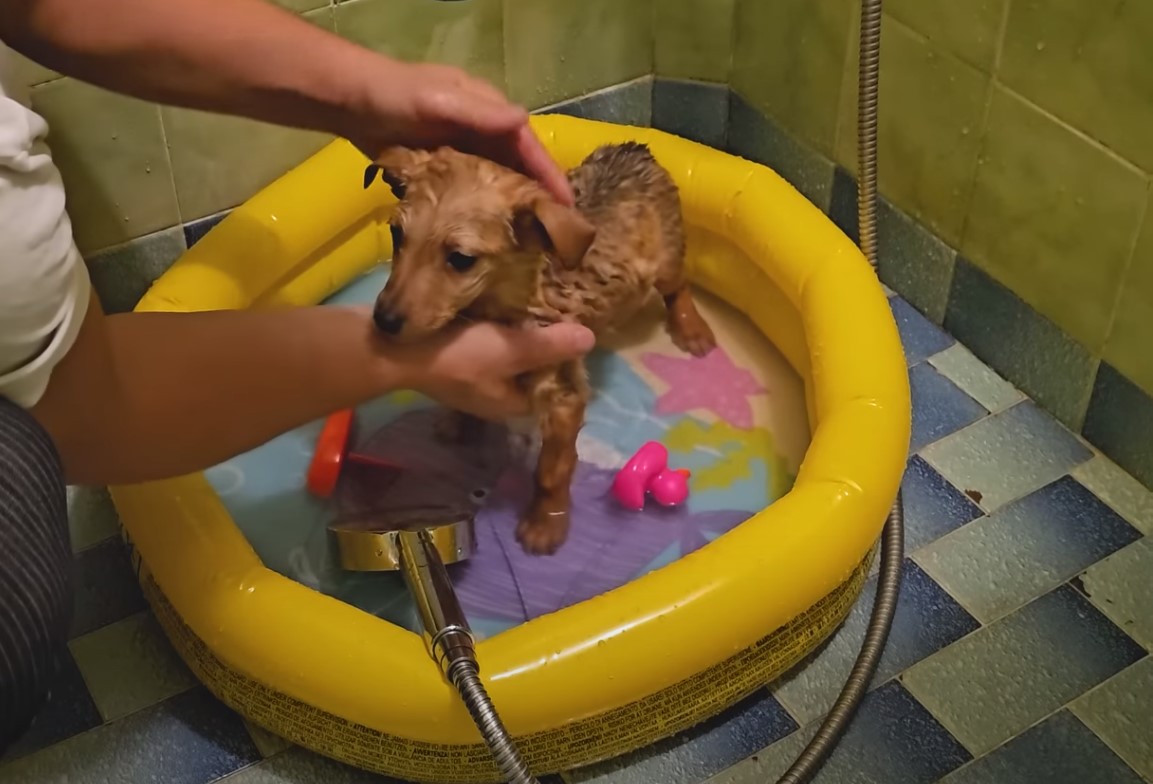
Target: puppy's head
467,232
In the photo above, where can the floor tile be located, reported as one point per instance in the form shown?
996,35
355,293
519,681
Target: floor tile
68,711
1026,548
92,517
992,685
130,665
940,408
1121,586
701,752
933,507
893,740
755,137
975,378
692,110
105,587
298,766
1120,423
1059,750
190,739
920,337
195,231
1128,497
927,620
1007,455
1120,711
270,744
1019,343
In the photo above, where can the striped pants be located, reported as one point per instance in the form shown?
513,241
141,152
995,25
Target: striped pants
35,569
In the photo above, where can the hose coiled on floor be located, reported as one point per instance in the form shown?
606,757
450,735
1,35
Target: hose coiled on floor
465,675
893,538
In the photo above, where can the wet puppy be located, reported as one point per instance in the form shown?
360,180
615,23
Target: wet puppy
473,240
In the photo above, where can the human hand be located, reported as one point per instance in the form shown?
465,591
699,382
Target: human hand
475,368
428,105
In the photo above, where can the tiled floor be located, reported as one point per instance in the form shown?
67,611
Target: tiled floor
1020,650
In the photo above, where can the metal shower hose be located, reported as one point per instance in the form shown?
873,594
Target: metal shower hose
893,539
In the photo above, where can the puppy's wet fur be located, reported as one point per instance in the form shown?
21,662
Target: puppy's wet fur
473,240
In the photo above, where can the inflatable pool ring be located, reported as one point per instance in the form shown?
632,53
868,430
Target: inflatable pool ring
603,676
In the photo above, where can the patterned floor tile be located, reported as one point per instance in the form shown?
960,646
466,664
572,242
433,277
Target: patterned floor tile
940,408
1026,548
927,620
1059,750
1131,499
975,378
105,587
992,685
190,739
1007,455
1120,711
130,665
893,740
91,517
68,711
699,753
933,507
920,337
1121,586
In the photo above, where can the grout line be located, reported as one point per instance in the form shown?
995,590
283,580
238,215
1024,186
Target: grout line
990,90
171,166
1144,217
850,55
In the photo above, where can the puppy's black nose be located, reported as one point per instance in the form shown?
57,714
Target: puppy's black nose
387,321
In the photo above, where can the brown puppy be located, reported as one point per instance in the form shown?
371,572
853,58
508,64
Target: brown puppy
476,241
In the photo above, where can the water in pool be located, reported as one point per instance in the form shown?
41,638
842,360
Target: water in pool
735,418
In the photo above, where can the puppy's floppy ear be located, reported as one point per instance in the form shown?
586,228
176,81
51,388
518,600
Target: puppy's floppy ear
554,228
396,166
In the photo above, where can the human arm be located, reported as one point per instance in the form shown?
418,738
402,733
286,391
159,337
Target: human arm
144,396
250,58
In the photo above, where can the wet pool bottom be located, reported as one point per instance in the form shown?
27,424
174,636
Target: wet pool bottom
735,418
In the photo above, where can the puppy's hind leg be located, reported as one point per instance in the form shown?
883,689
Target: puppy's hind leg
687,327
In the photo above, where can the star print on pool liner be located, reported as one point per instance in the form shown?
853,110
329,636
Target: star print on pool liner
607,547
710,383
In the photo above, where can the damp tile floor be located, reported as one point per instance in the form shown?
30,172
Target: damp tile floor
1019,653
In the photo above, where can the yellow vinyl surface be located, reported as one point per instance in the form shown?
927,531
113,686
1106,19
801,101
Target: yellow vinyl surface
655,655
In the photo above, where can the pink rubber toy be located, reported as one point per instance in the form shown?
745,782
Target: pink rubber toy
647,472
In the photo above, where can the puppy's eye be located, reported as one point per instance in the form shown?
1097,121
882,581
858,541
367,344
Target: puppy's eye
460,262
397,236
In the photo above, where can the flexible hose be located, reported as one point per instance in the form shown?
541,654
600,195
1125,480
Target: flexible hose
893,538
465,675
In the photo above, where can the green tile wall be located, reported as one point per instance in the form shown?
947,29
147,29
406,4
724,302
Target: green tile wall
1017,131
132,168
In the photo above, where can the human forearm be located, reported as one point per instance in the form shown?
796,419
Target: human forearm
242,57
144,396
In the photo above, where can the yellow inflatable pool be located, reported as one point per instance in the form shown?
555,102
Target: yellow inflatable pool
617,672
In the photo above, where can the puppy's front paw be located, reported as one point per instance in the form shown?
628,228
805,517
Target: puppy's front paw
542,533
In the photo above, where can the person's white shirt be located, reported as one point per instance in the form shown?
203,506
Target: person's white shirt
44,284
